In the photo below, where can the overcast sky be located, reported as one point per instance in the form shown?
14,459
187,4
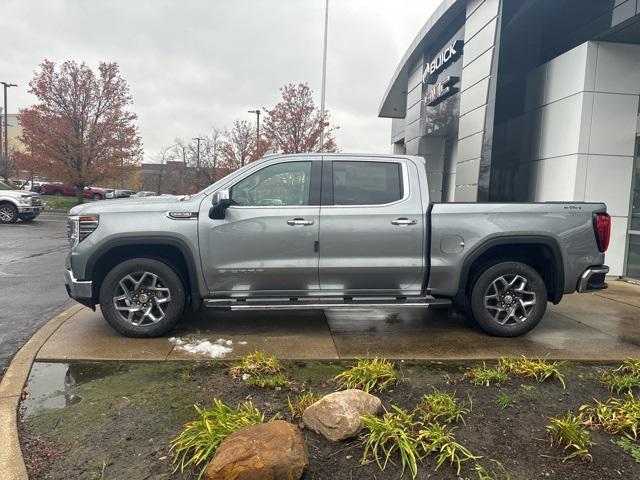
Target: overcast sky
196,64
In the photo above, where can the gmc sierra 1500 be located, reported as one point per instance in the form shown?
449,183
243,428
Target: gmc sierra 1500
319,231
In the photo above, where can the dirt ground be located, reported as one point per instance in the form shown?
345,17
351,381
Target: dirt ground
115,421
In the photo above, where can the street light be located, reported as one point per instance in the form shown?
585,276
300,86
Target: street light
6,135
198,139
257,112
324,74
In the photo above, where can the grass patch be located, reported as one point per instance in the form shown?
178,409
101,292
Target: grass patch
52,202
391,433
260,370
301,402
441,407
439,440
628,446
620,382
486,376
197,443
412,438
541,369
504,401
630,367
616,415
375,374
570,433
499,473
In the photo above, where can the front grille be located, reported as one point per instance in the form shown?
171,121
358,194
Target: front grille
36,201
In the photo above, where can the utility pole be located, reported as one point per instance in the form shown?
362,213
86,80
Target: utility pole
257,112
6,135
324,74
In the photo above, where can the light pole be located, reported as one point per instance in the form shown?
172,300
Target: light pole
6,135
257,112
198,139
324,74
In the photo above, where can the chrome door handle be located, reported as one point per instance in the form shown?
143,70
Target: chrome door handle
404,221
299,222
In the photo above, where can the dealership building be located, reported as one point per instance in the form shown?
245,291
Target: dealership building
527,100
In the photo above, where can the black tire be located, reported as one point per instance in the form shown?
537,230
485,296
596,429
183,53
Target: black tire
97,196
58,193
493,301
167,279
28,218
8,213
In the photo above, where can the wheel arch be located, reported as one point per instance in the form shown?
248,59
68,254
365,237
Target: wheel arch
172,251
540,252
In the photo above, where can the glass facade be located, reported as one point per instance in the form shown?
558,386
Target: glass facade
633,251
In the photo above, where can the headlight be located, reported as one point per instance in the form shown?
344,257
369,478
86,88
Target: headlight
80,227
24,199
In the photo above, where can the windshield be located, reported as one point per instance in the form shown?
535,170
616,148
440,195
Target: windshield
4,186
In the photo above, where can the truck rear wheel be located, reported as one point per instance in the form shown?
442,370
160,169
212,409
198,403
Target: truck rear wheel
142,297
508,299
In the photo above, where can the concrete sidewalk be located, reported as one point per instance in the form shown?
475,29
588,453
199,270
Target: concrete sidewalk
601,326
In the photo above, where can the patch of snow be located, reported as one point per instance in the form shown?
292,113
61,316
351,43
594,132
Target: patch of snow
217,349
242,343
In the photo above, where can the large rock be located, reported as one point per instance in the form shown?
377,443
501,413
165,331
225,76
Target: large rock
269,451
337,415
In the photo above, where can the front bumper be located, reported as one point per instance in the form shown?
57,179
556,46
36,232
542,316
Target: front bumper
79,290
593,278
30,209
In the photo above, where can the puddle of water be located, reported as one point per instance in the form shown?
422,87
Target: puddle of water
55,385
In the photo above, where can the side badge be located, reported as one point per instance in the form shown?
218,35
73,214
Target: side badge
182,215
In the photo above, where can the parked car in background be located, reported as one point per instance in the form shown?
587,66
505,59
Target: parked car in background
67,190
316,231
18,204
145,194
120,194
33,185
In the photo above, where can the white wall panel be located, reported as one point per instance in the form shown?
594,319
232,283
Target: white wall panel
609,180
613,128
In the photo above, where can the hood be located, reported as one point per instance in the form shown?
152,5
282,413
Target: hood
19,193
139,204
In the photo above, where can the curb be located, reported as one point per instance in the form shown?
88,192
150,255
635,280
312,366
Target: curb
11,462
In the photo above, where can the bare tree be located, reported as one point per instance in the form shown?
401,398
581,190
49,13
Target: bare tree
239,144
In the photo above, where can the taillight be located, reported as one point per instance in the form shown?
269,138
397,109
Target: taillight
602,227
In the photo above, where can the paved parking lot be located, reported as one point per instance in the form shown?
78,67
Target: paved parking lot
31,281
603,326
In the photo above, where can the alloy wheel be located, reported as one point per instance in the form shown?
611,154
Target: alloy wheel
509,299
6,214
141,298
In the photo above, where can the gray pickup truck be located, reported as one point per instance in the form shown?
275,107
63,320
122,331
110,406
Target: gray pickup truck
316,231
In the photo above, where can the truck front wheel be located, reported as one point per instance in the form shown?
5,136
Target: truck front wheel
142,297
508,299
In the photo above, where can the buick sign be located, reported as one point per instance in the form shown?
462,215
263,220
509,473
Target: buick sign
443,59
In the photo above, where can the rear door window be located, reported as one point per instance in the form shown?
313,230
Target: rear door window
366,183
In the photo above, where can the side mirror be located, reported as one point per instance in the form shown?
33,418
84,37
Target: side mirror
220,202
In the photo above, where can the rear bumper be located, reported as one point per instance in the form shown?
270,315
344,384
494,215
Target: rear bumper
79,290
593,278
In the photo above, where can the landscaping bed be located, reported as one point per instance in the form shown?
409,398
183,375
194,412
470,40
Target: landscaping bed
117,420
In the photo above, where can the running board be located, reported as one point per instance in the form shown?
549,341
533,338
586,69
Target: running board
242,304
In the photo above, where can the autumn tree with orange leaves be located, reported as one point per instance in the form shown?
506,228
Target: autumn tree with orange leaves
81,130
294,124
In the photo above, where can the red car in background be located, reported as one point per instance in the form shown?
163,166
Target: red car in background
62,189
